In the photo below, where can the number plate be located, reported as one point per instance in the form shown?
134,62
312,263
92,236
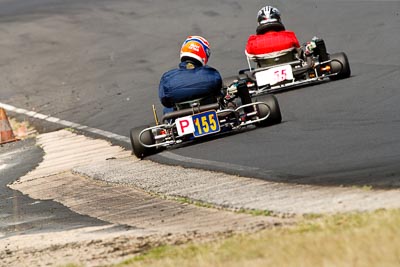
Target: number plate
205,123
274,75
199,124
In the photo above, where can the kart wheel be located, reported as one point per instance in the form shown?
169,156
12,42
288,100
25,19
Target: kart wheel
147,138
275,116
340,65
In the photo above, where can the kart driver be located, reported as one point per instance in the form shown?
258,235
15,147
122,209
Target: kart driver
193,78
271,38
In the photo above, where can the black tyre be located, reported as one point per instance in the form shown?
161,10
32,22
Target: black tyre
147,138
275,117
340,65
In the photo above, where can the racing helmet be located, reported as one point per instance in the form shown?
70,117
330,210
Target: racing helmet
195,48
269,19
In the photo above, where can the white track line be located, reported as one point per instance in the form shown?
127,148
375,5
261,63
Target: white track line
65,123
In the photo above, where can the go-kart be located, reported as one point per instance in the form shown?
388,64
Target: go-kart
193,120
282,71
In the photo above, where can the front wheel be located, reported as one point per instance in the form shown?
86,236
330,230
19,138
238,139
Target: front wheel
275,116
146,138
340,65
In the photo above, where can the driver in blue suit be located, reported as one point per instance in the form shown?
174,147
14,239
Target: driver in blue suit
193,79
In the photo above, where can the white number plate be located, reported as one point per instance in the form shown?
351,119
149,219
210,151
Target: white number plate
274,75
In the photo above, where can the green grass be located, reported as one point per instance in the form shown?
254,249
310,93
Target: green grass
185,200
358,239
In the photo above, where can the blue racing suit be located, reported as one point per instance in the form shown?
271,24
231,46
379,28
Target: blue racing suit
184,84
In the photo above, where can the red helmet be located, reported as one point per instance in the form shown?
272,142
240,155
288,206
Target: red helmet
196,47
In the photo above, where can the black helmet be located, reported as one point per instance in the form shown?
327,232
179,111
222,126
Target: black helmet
269,19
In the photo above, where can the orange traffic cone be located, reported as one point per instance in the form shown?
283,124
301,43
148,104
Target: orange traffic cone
6,133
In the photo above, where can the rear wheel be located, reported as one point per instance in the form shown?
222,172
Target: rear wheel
146,138
275,116
340,65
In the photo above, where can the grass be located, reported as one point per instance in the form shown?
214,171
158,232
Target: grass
185,200
358,239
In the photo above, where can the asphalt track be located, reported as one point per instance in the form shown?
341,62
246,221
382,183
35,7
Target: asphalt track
98,63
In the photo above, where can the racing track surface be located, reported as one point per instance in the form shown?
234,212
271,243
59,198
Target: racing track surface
98,63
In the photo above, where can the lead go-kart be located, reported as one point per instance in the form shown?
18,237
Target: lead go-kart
282,71
195,119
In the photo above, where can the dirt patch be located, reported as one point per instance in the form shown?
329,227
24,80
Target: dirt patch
90,247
